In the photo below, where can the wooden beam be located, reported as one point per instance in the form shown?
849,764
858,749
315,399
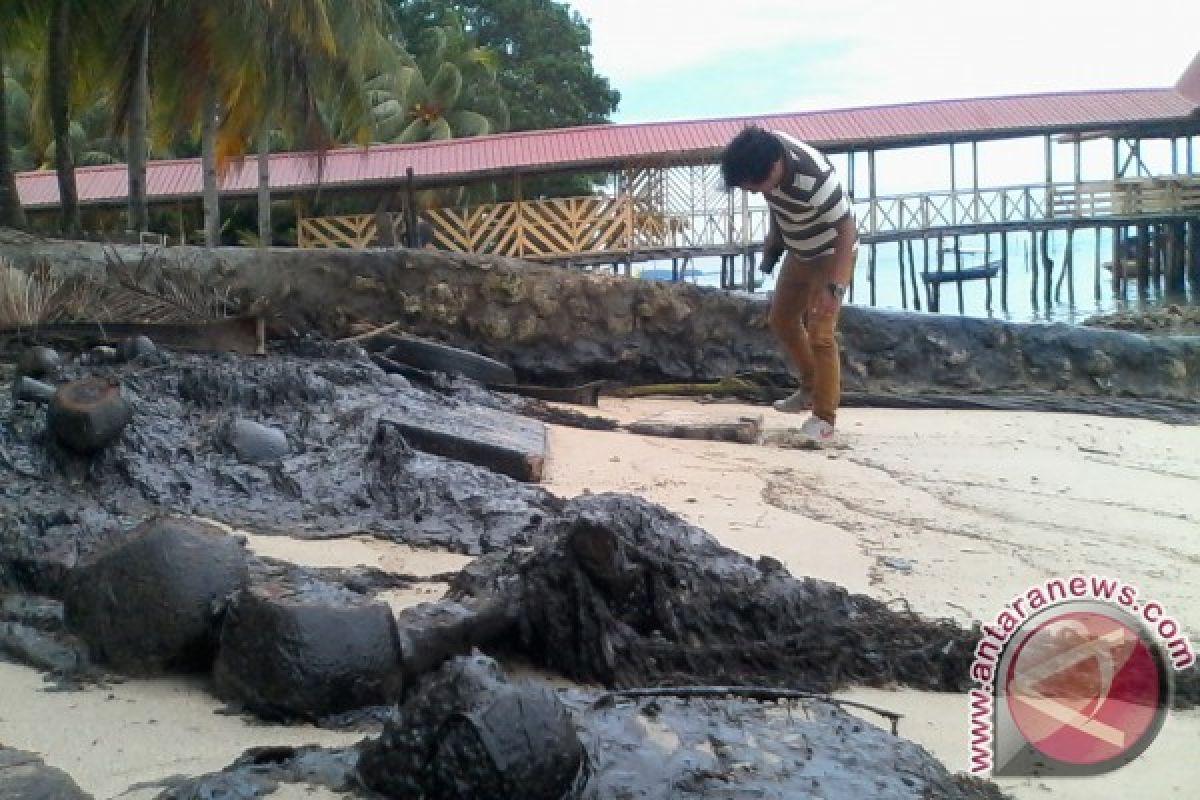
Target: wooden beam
509,444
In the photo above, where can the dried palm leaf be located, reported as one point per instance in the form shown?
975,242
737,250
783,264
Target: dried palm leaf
154,291
26,298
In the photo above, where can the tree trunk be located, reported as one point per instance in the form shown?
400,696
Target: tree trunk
264,187
59,72
11,212
136,146
212,204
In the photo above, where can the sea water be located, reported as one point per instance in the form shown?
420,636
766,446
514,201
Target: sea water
1092,290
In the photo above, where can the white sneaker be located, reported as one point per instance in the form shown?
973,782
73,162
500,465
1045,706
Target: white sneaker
817,431
795,403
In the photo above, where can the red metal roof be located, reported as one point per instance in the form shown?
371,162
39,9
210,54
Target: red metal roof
602,146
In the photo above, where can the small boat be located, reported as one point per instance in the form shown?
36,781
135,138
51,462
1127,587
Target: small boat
953,272
954,275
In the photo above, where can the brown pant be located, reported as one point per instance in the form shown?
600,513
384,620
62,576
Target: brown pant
808,340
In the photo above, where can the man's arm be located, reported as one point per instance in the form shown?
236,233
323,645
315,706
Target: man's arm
841,266
838,268
772,246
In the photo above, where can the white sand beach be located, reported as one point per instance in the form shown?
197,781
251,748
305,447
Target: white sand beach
953,512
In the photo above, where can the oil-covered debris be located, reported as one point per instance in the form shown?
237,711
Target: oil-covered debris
24,776
624,593
343,470
306,649
151,600
259,771
467,733
668,748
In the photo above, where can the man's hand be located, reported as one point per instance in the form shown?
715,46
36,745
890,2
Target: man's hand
769,260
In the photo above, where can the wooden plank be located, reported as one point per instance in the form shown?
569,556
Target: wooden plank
243,335
506,443
685,425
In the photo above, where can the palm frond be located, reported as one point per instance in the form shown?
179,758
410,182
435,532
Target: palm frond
154,291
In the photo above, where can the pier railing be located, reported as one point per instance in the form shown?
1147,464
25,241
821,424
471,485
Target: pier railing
625,226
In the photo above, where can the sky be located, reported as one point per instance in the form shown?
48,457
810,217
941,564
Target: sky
689,59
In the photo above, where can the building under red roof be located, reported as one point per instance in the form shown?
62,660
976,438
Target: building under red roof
1137,112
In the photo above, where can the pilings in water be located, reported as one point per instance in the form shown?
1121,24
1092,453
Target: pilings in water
1152,257
1158,257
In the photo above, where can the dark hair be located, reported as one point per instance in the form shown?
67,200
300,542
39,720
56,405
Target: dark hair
748,158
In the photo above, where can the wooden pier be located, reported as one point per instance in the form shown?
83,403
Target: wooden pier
1162,212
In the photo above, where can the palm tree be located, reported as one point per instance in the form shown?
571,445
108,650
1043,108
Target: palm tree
313,62
256,63
442,91
133,101
11,212
59,57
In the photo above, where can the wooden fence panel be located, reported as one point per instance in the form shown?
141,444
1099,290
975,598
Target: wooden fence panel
572,226
351,232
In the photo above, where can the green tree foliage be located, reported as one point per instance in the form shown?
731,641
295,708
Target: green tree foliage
546,77
545,74
442,86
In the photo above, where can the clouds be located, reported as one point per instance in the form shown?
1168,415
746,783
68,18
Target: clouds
867,52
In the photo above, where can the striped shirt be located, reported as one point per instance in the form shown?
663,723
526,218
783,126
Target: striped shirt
809,203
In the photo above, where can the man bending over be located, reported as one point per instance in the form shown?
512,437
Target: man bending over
810,218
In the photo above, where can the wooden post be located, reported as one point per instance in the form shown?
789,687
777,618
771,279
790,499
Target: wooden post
1033,271
987,263
1158,239
1048,266
1118,262
975,183
912,273
1193,246
872,198
903,277
1068,271
925,270
629,229
1143,258
1175,264
953,187
264,188
1004,271
850,177
1049,147
958,283
871,271
1098,233
935,287
410,208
